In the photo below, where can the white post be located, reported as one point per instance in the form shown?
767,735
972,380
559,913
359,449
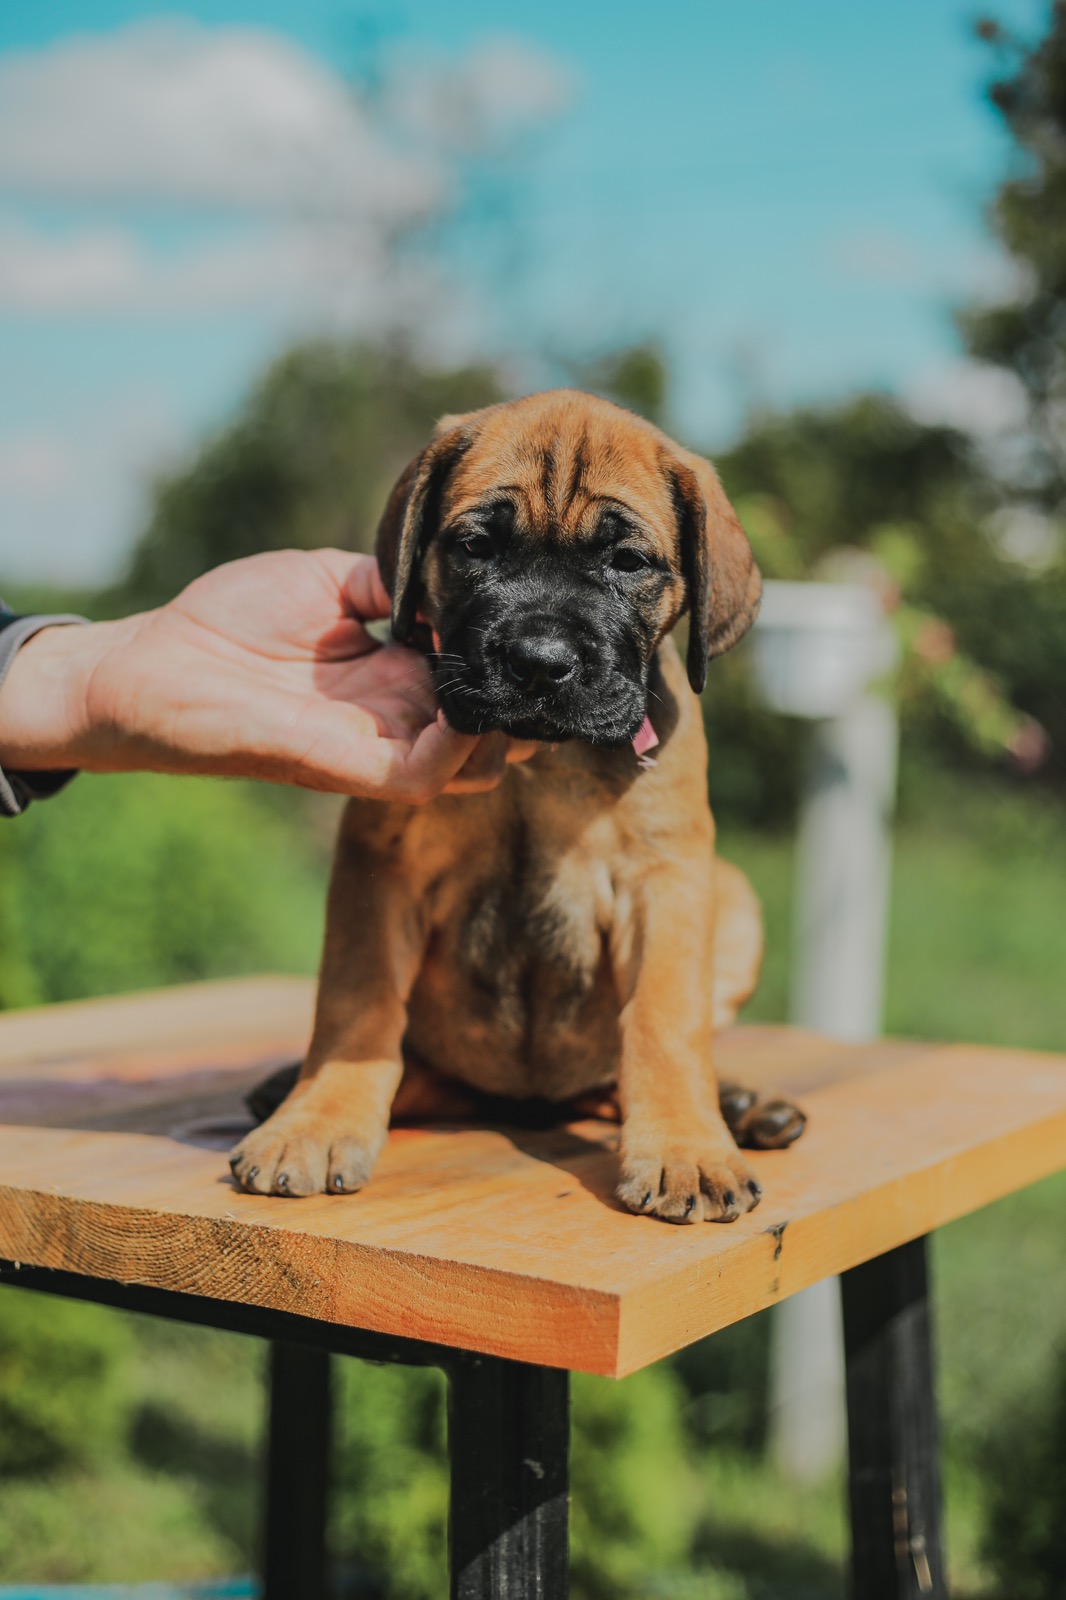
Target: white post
843,867
819,648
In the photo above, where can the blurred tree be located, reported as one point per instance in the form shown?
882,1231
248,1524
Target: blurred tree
1021,630
1027,333
864,491
308,462
636,377
823,476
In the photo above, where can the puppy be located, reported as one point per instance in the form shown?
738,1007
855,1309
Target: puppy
571,929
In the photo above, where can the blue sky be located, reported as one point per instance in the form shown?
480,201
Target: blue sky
788,195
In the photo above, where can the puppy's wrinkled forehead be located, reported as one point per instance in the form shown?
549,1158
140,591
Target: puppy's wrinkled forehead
560,459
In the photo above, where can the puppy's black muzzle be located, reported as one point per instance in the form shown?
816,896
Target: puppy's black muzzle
541,655
540,662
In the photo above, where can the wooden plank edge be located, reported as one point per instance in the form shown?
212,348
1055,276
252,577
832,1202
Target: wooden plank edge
792,1253
486,1310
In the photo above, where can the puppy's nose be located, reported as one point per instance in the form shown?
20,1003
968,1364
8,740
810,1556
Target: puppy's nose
539,662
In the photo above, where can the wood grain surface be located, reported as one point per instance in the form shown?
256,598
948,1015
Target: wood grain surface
502,1240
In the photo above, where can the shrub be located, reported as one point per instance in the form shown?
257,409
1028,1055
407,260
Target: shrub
60,1402
1025,1469
635,1497
137,880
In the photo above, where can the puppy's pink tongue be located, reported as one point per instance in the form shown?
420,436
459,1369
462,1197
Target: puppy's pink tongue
646,738
436,640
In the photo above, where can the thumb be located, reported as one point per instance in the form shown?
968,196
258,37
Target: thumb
430,764
484,767
367,595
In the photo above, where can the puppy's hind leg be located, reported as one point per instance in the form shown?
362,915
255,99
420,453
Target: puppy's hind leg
738,942
757,1122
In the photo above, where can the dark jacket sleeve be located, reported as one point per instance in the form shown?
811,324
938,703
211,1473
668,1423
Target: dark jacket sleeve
17,789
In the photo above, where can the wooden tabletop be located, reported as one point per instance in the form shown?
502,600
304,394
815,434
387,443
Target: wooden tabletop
115,1114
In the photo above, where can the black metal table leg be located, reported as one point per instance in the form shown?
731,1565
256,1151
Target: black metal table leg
295,1564
509,1442
894,1477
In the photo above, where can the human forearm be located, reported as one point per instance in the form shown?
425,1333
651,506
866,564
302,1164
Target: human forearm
44,698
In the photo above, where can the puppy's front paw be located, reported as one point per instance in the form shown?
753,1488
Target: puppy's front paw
296,1152
704,1181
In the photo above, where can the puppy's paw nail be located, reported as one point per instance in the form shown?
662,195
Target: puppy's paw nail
338,1183
755,1190
690,1204
281,1182
729,1199
646,1202
253,1172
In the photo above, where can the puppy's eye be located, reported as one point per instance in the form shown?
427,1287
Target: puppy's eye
478,546
628,559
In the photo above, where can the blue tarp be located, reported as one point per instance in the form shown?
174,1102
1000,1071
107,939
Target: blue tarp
224,1589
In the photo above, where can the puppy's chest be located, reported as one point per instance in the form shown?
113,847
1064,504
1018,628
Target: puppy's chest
539,924
517,991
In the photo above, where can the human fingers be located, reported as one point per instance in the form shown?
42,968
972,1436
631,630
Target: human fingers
431,763
484,767
364,591
519,750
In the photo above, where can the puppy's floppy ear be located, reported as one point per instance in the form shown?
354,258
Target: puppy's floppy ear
410,519
724,586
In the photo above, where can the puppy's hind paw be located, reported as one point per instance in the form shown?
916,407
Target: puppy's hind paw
772,1123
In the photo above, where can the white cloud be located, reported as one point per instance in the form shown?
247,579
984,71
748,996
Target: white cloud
317,190
977,398
33,466
287,197
333,274
89,271
180,114
881,256
71,501
500,88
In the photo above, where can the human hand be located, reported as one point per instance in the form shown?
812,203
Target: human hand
261,668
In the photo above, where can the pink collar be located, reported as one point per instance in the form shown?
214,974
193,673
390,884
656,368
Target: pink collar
646,740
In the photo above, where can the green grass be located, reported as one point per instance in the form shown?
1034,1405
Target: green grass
977,937
674,1498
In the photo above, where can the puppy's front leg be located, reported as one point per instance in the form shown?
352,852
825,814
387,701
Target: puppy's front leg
329,1132
679,1160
